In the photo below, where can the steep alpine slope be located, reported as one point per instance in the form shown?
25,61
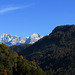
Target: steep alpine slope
55,51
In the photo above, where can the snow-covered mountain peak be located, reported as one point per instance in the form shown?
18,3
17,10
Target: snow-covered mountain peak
27,37
33,38
34,35
3,35
10,40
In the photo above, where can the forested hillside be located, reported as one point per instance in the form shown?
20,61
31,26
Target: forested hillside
55,51
12,64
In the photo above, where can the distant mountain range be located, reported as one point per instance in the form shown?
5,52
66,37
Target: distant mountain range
10,40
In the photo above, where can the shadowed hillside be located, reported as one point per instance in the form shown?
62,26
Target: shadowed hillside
19,47
55,51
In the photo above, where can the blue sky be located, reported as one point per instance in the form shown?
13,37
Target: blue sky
25,17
